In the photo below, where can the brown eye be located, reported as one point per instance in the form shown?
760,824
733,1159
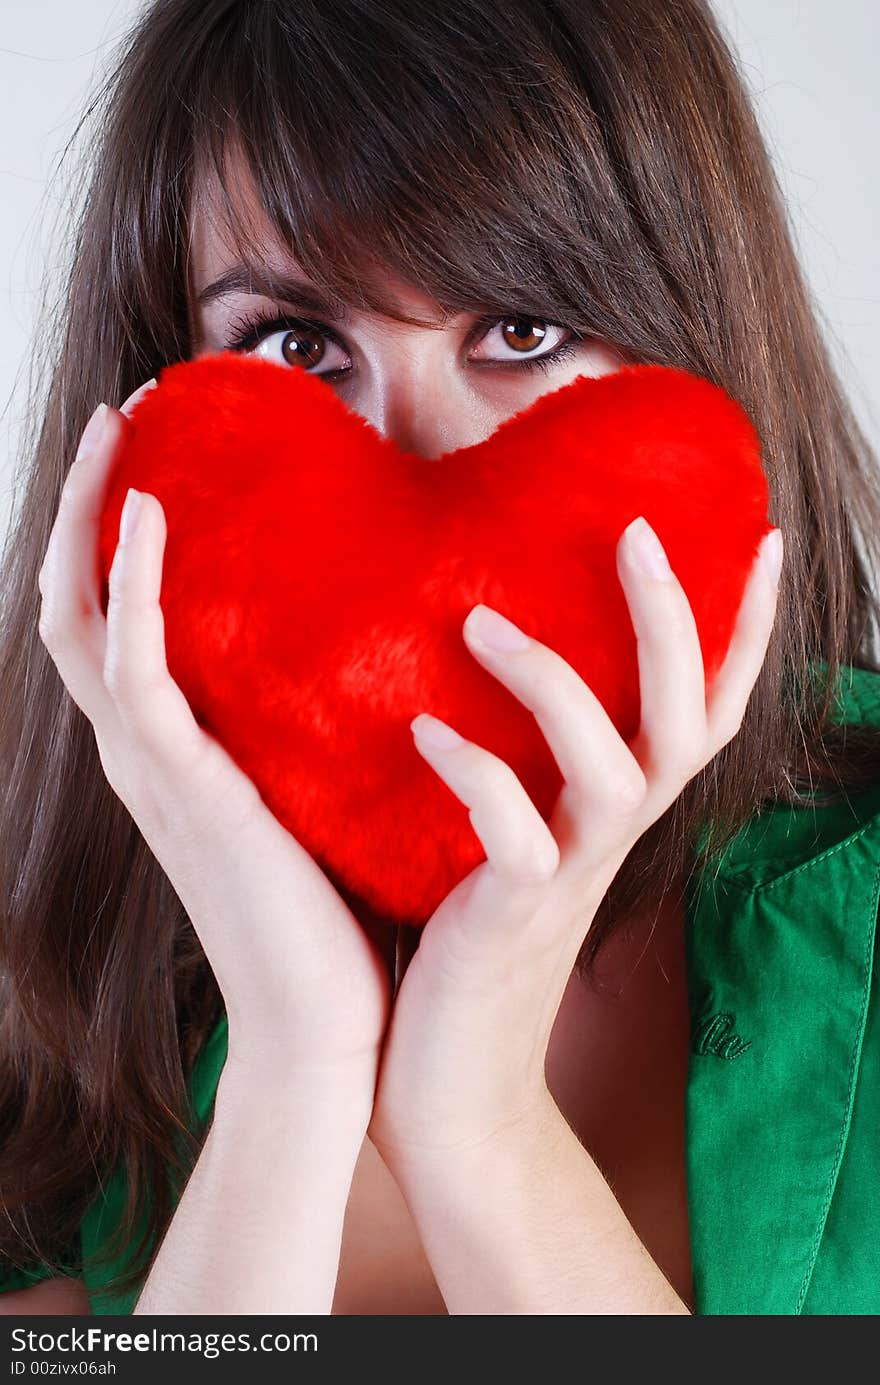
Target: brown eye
304,347
521,336
523,333
302,343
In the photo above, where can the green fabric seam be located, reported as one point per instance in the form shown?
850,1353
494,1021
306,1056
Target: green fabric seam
868,964
745,886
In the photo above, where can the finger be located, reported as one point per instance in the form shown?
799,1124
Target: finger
147,698
733,684
519,845
71,621
135,398
671,740
87,471
595,762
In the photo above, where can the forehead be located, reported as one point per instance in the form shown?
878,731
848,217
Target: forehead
213,250
211,240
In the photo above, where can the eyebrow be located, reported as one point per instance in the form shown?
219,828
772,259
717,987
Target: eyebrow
268,284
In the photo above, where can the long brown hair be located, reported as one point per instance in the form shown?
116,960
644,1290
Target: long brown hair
595,164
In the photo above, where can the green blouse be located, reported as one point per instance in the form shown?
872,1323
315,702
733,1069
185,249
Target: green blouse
783,1089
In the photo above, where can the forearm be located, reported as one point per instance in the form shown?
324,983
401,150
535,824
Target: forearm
528,1225
259,1226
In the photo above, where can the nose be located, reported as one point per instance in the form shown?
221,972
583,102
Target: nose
425,406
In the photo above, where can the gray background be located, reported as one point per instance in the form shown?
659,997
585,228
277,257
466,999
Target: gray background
811,67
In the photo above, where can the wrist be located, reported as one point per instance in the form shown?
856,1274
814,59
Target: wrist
271,1053
520,1146
325,1095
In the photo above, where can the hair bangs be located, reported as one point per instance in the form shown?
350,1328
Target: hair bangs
460,185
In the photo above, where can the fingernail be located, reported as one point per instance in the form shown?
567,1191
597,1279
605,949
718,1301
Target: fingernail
646,549
130,511
135,398
434,732
495,630
92,432
771,555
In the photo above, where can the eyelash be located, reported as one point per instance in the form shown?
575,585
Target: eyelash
249,330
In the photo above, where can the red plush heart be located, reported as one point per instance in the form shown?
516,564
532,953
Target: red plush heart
316,579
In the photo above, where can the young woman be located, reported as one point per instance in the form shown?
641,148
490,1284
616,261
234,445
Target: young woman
222,1092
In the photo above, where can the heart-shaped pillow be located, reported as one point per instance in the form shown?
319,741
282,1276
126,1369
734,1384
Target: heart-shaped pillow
316,579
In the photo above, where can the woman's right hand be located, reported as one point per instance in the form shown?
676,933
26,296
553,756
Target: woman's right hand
302,981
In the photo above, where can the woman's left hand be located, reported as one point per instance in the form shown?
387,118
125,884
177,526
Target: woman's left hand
464,1055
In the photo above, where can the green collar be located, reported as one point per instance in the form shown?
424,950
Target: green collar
780,943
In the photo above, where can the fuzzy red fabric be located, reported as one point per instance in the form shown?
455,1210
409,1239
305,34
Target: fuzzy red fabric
316,579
